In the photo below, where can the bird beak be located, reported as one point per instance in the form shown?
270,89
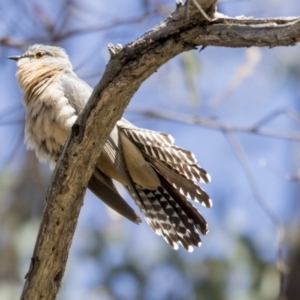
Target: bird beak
16,58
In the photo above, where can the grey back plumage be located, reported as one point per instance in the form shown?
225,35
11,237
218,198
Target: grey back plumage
159,175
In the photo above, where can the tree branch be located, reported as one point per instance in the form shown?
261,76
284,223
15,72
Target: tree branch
124,74
247,32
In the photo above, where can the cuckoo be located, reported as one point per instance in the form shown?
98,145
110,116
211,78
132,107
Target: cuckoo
160,177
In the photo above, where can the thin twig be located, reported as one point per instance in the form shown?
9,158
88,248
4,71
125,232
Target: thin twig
243,159
199,7
217,125
280,173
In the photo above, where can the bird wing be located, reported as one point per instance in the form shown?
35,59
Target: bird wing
75,90
165,206
78,92
103,187
177,165
159,176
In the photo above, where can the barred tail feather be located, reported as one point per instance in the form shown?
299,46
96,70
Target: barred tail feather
161,146
192,172
188,210
170,215
182,183
166,208
145,136
154,216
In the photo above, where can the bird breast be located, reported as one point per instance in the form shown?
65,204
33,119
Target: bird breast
49,119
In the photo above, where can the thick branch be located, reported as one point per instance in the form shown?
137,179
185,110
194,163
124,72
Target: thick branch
247,32
124,74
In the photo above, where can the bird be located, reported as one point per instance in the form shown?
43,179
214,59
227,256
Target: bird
162,178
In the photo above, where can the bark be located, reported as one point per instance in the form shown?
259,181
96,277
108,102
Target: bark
125,72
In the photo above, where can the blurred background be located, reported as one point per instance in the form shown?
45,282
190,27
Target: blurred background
236,109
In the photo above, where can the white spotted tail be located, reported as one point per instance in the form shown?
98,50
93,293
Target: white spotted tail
167,209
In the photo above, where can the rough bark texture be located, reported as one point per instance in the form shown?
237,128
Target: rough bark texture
292,287
246,32
124,74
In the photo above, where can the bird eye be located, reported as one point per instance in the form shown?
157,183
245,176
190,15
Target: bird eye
39,54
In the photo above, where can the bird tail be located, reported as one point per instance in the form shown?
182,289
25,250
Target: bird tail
167,209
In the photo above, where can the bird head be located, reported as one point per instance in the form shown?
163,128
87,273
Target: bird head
41,63
42,55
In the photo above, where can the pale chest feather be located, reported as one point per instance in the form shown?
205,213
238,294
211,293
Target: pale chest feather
49,118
